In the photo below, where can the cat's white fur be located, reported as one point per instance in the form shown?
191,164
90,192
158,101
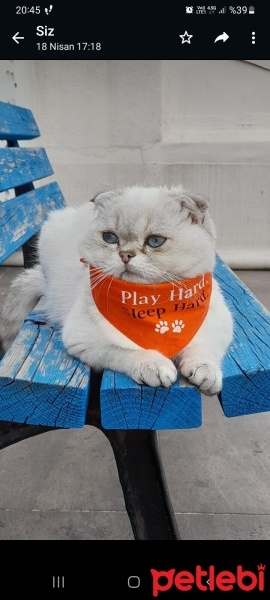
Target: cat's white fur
62,281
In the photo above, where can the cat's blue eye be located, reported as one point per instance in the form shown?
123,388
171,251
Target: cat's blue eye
110,237
154,241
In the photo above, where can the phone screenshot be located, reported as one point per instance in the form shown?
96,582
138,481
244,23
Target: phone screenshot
134,298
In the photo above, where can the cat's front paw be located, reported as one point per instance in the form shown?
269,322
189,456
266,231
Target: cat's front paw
205,375
154,369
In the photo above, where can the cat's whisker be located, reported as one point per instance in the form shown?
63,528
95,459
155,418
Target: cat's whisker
109,291
96,279
172,278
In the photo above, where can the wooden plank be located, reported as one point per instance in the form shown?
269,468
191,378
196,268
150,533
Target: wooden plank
127,405
22,217
17,123
40,384
22,165
246,388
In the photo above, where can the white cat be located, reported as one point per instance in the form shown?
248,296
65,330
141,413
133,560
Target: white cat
136,235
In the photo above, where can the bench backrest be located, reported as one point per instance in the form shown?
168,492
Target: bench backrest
22,214
37,360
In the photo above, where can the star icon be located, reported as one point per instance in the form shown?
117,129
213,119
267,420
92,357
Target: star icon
185,37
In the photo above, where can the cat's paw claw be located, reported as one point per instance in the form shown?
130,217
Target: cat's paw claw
205,375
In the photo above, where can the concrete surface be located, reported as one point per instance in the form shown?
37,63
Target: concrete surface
63,485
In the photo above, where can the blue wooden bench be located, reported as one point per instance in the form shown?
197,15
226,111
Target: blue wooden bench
42,388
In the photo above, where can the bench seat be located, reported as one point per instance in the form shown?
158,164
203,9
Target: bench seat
53,388
246,366
40,384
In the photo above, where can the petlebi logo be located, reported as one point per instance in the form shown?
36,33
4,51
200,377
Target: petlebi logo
208,579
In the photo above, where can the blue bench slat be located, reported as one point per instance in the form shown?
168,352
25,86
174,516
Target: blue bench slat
40,384
246,367
127,405
22,165
17,123
21,217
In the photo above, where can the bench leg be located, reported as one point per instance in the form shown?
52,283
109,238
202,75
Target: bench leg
11,433
140,473
139,467
143,483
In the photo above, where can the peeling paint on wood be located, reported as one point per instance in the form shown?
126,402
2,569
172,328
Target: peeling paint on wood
21,217
33,388
246,366
17,123
20,165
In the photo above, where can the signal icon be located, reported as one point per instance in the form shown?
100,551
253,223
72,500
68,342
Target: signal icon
222,11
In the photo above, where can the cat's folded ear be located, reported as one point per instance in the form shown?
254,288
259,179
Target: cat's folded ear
103,198
196,206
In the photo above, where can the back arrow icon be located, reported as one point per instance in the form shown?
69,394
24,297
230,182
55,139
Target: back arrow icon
16,37
223,37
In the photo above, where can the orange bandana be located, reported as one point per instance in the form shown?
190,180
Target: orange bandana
162,316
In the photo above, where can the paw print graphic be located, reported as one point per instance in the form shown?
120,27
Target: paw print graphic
177,326
162,327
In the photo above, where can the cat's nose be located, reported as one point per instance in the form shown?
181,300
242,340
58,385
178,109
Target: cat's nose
126,256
